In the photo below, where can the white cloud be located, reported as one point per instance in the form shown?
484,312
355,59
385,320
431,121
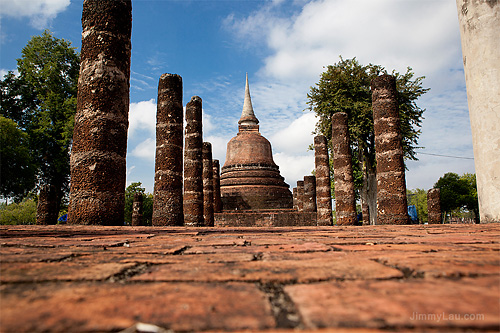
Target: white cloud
146,150
294,167
142,115
40,12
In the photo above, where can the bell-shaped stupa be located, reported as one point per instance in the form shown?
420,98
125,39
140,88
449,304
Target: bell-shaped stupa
250,180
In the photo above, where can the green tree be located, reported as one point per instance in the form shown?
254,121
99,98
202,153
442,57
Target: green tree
458,193
345,87
42,100
147,204
17,171
23,212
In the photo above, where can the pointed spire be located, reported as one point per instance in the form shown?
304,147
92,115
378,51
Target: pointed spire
247,116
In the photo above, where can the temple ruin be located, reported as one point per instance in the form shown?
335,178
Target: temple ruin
434,206
208,186
391,183
167,202
323,186
137,218
250,180
98,155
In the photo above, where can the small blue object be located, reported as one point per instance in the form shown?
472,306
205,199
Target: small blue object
63,218
412,211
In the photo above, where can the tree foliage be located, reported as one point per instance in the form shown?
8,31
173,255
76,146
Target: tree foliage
458,192
42,101
345,87
23,212
418,197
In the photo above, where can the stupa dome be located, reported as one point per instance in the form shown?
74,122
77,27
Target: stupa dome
249,178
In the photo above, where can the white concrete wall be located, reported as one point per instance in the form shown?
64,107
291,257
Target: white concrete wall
480,32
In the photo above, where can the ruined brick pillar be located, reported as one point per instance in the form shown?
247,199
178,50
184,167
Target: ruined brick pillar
47,208
137,209
345,197
309,194
434,206
300,195
216,185
365,212
167,202
294,195
208,189
193,164
323,186
391,185
98,170
479,23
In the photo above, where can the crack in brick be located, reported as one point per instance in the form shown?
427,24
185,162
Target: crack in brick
408,273
127,273
181,250
284,310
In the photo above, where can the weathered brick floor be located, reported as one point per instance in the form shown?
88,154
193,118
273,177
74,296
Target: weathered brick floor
370,279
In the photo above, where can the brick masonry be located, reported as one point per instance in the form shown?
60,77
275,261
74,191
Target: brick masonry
216,185
137,218
98,154
434,206
309,204
208,186
262,279
167,204
323,186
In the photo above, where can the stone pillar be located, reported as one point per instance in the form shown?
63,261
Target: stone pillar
345,197
193,164
391,186
208,189
137,209
365,211
309,194
300,195
323,186
216,185
98,170
434,206
480,33
47,208
294,194
167,202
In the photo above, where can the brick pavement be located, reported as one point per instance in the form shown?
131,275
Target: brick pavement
369,279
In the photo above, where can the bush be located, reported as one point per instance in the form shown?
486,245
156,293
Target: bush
18,213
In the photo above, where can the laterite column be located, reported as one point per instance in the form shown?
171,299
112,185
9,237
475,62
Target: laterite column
208,188
345,197
47,208
323,186
216,184
137,209
300,195
434,206
391,185
309,194
98,156
193,164
167,204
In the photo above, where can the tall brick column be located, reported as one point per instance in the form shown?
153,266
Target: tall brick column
345,197
137,209
47,208
300,195
167,204
391,185
216,184
323,186
309,194
98,170
193,164
208,188
434,206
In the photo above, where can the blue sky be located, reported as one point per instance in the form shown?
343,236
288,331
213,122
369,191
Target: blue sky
283,45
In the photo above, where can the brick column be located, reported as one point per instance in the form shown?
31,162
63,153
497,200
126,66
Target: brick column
434,206
365,212
300,195
294,196
47,208
193,164
309,194
208,189
167,204
391,185
323,186
216,185
137,209
98,170
345,197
